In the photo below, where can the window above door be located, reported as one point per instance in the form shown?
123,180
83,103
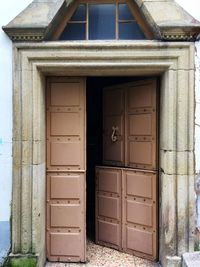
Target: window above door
102,20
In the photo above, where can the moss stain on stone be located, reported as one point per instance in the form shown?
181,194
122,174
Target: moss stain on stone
25,262
196,246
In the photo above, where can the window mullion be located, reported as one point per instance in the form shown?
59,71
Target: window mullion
87,21
117,20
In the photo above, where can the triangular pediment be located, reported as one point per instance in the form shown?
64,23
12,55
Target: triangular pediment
103,20
158,20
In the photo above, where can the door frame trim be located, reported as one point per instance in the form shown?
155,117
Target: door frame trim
173,62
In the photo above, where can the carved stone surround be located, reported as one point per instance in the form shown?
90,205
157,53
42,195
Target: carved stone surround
174,63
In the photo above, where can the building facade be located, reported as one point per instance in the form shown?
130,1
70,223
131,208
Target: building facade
166,54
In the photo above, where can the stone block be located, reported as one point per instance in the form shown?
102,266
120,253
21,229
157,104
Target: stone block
17,152
168,111
39,155
180,163
26,212
17,114
27,152
173,261
191,259
38,107
38,208
27,106
185,127
168,213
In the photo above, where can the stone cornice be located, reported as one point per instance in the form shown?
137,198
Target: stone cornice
176,25
28,35
38,36
179,33
178,36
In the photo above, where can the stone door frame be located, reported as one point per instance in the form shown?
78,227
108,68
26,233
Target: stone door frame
174,63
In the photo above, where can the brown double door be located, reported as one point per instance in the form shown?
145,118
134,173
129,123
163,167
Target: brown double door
126,195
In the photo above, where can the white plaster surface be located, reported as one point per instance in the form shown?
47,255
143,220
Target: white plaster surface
197,126
8,10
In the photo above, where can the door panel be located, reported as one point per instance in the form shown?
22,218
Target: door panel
113,126
70,215
66,124
141,127
109,234
63,123
130,115
141,185
140,153
108,207
131,119
65,247
66,94
62,185
109,181
140,213
66,240
140,94
139,241
140,124
127,219
116,97
113,153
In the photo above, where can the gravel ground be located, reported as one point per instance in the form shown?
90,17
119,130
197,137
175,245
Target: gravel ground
99,256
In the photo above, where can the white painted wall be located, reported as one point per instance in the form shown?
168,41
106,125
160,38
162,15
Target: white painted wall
8,10
197,127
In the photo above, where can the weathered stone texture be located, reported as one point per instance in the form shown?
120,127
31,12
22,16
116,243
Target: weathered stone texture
173,62
166,19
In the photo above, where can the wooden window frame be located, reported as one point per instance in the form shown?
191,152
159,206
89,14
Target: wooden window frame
132,6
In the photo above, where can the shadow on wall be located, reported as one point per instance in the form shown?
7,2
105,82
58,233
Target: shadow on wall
4,240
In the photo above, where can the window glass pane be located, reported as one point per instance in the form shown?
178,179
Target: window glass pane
125,13
102,21
130,31
74,31
79,14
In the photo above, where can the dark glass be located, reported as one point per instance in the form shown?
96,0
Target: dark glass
130,31
102,20
79,14
125,13
74,31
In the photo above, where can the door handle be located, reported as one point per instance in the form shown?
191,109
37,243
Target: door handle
113,135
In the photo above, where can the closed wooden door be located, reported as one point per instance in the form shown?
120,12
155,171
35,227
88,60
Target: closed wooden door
65,223
126,196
